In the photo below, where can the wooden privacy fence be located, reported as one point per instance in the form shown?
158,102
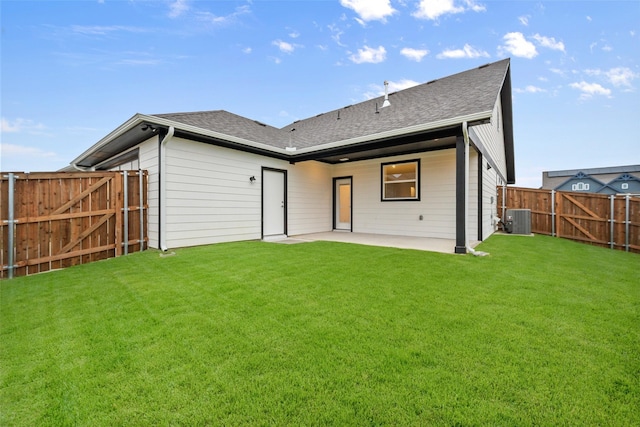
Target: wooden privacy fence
56,220
604,220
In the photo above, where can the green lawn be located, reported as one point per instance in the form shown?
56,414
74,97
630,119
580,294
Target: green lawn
543,331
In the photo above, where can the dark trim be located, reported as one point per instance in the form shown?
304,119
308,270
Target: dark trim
507,125
286,202
418,186
480,201
335,204
460,197
396,142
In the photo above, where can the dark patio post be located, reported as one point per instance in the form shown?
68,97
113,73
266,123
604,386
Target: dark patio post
461,221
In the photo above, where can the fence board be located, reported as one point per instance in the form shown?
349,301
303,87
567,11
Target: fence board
64,219
597,219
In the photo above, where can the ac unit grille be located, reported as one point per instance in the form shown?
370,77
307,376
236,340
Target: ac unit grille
521,220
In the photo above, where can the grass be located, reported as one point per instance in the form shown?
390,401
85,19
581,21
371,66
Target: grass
541,332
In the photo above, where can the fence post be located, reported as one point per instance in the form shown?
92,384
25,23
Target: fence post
626,223
116,191
559,215
125,210
141,201
504,202
553,213
11,225
611,221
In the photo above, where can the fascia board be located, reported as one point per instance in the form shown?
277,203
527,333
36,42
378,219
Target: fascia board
139,119
120,130
397,132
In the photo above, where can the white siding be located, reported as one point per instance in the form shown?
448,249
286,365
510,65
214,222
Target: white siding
148,160
489,201
210,198
436,205
472,197
491,136
310,198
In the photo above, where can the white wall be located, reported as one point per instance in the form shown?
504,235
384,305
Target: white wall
491,135
210,198
436,205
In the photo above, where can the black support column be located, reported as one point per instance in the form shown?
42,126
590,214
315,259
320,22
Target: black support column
461,221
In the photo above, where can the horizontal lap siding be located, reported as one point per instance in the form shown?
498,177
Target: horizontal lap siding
210,198
491,137
310,198
148,160
437,203
489,201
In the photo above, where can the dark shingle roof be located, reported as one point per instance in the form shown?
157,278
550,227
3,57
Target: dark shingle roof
228,124
459,95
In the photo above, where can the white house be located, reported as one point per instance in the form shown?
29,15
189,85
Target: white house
424,162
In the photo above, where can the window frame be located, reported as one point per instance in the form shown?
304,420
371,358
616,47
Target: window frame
383,197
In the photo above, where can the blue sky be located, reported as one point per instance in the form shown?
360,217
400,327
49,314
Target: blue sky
72,71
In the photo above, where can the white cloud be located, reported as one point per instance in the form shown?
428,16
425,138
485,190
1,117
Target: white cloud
530,89
524,20
378,90
517,45
13,150
226,19
21,125
549,42
284,46
247,50
294,35
370,10
336,33
177,8
414,54
619,76
401,85
433,9
370,55
466,52
590,89
103,30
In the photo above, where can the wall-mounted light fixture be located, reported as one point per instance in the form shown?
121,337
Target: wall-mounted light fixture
252,179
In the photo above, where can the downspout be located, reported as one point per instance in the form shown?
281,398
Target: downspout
465,135
162,237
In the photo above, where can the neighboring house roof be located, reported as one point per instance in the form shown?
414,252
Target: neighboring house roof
581,182
594,171
419,118
625,183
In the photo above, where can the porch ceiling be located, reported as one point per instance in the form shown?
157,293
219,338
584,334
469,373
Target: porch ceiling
406,144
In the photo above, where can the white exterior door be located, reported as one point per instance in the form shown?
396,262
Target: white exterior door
343,204
273,203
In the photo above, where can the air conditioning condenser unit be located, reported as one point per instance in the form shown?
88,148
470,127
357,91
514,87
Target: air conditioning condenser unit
518,221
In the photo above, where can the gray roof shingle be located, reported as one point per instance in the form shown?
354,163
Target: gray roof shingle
461,94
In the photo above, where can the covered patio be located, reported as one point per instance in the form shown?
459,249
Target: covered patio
446,246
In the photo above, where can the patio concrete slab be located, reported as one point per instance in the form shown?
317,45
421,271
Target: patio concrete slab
446,246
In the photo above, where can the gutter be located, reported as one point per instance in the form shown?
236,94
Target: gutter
162,208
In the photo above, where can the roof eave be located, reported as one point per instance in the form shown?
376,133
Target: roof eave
424,127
